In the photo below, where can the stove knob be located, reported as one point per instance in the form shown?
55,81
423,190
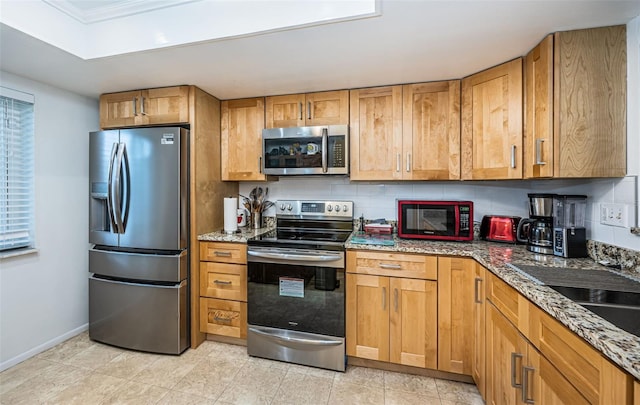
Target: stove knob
337,208
329,208
289,207
281,207
345,208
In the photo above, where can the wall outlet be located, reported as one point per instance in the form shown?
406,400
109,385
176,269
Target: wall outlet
614,215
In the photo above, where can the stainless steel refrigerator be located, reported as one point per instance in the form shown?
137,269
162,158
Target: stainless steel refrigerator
139,231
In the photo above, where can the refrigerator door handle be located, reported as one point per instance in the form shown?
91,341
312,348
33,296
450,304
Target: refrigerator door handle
118,190
110,202
127,187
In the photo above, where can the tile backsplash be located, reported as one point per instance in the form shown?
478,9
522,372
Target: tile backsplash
377,199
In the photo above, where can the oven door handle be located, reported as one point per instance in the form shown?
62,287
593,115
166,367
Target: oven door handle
294,340
295,257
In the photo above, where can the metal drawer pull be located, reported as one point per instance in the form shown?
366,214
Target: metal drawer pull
291,340
477,282
391,266
525,385
222,282
395,299
384,298
539,160
222,319
514,356
220,253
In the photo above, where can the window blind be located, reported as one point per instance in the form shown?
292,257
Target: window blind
16,170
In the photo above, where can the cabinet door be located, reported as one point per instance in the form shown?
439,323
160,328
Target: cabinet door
367,316
166,105
538,113
546,385
376,133
478,362
327,108
285,111
492,123
223,281
590,111
455,314
242,122
431,131
413,322
507,351
223,252
119,109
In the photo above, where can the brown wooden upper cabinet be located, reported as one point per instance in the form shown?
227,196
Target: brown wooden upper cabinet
575,105
242,122
409,132
492,123
165,105
298,110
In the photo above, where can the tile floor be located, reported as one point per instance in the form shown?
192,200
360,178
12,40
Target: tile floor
80,371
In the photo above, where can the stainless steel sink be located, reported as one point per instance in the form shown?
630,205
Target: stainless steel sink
618,307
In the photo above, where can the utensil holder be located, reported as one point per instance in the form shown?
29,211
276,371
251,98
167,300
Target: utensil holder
256,220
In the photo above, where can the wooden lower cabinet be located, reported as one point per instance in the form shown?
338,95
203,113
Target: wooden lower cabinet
636,393
478,358
455,314
223,289
392,319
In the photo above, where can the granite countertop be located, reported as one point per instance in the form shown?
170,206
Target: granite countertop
241,236
621,347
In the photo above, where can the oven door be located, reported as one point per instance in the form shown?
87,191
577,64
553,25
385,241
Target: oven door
306,150
297,290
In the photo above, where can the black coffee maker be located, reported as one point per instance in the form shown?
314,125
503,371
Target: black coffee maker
537,231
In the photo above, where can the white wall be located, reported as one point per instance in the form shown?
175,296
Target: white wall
43,296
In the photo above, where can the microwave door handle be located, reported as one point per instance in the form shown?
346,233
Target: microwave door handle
325,142
110,202
456,231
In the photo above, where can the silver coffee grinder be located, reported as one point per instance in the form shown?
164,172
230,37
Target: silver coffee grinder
569,232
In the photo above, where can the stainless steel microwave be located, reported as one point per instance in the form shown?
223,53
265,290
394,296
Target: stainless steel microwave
306,150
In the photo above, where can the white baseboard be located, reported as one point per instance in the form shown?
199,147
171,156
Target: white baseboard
41,348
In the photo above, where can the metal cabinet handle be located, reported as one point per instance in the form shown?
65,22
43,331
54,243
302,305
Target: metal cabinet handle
398,163
408,162
513,156
395,299
384,298
539,160
300,110
135,109
142,106
525,385
222,282
514,356
220,253
260,164
308,109
477,283
222,319
390,266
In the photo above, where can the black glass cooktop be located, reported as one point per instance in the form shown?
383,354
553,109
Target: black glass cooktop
300,236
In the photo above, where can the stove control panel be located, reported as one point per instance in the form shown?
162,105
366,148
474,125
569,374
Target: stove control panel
307,208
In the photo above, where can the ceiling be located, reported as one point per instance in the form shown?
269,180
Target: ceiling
410,41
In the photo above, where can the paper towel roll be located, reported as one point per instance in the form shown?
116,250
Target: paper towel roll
230,214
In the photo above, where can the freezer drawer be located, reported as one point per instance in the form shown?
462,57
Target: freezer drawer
144,317
139,266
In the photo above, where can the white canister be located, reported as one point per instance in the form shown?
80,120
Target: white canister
242,217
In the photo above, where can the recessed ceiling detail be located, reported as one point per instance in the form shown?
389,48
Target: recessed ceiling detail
92,11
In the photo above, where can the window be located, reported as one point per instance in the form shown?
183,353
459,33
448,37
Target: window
16,170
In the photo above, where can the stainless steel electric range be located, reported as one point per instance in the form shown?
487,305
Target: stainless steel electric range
296,285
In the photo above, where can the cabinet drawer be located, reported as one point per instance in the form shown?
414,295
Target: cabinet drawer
223,252
223,280
222,317
509,301
393,264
